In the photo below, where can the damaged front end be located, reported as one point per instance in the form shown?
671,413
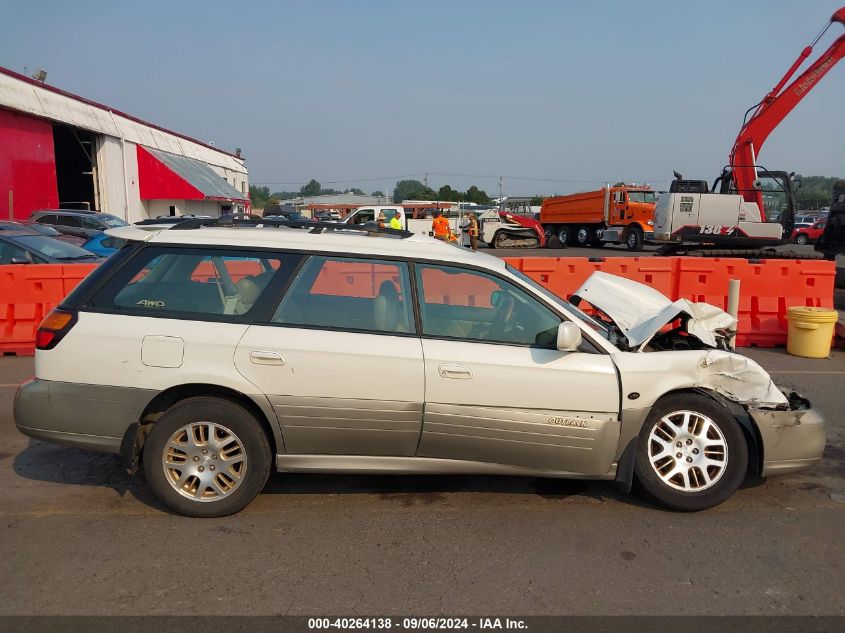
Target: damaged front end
640,318
689,345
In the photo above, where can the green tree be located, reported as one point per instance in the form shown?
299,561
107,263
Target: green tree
815,192
259,196
536,201
313,188
356,191
479,196
412,190
447,194
377,194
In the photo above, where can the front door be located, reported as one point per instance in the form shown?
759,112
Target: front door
497,389
341,362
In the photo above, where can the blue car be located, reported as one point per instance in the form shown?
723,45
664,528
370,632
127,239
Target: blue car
103,245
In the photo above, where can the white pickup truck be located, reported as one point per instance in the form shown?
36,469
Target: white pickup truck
421,225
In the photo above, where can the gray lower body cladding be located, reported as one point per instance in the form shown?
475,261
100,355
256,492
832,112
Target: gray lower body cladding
93,417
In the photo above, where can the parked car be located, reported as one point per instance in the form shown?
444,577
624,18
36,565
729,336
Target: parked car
237,350
167,221
808,233
28,247
104,245
77,222
288,215
41,229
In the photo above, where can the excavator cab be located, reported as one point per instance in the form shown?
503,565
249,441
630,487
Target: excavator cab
778,189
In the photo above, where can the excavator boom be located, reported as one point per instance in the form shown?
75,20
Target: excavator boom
774,108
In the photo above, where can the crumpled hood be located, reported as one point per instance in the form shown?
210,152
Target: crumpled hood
640,311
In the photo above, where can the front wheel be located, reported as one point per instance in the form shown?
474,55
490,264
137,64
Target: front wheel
691,453
207,457
634,238
802,239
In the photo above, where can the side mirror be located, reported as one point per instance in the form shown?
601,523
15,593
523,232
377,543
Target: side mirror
19,260
568,337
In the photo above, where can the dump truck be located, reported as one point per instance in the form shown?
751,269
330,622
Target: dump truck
617,214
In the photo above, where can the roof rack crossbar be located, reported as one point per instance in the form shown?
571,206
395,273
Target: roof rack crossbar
314,227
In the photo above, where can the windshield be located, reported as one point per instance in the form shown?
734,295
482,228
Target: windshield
54,249
111,221
641,196
590,321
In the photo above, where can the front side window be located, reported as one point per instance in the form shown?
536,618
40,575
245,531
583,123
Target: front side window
349,294
192,281
91,223
476,306
642,196
10,253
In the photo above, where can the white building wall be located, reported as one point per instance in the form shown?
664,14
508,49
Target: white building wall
155,208
40,101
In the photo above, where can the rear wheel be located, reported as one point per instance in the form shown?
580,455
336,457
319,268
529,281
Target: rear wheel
499,240
564,234
583,236
802,239
634,238
207,457
691,453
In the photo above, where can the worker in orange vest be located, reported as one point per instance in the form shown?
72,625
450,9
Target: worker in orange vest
440,227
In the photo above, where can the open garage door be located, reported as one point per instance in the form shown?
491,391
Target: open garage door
76,167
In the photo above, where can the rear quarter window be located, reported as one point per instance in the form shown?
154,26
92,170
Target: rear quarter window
217,284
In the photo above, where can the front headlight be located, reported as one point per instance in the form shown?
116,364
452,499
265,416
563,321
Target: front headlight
650,222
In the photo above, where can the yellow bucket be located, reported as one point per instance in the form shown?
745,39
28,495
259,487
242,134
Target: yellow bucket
810,331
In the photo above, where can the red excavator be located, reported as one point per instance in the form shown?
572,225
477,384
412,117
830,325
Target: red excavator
748,207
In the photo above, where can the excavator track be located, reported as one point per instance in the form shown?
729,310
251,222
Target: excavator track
740,253
517,243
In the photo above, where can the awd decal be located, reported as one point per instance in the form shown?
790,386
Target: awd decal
150,303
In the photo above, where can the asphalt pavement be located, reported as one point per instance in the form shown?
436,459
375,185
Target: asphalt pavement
79,536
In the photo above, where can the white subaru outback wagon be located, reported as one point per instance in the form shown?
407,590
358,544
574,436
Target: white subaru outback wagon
211,354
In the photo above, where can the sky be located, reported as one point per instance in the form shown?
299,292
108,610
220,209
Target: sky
553,97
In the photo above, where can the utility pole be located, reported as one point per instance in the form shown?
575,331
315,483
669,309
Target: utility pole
501,202
425,180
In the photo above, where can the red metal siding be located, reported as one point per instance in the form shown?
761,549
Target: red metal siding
157,181
27,165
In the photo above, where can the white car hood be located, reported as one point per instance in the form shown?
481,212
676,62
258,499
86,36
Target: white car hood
640,311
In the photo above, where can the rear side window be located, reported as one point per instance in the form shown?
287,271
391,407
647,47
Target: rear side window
349,294
218,283
68,220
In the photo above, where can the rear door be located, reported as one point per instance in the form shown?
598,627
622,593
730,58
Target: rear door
341,361
497,389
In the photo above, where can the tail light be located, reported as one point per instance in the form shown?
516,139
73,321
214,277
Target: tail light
54,327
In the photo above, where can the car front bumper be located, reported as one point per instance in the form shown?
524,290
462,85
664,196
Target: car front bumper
792,440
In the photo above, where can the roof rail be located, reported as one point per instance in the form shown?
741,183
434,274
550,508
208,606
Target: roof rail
371,228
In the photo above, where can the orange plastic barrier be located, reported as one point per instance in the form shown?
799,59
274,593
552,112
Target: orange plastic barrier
767,288
27,293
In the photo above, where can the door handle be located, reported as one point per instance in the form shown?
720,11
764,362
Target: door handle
265,357
458,372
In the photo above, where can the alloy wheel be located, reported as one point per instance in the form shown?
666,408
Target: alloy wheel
687,451
204,461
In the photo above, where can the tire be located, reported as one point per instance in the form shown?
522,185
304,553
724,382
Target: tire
241,437
553,242
802,239
499,240
564,234
583,236
689,490
634,238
